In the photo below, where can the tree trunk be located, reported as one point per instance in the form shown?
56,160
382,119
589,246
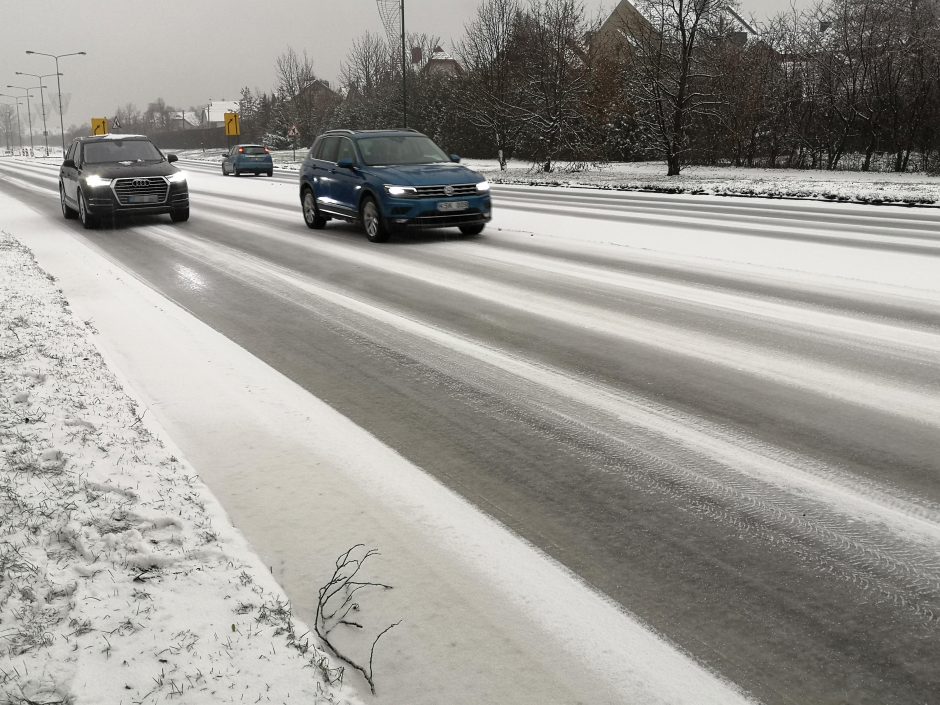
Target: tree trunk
672,165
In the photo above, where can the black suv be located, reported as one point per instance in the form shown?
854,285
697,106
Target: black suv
390,180
105,175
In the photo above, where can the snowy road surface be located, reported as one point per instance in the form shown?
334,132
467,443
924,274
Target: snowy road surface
723,415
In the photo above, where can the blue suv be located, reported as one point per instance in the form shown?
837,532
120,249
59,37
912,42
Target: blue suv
390,180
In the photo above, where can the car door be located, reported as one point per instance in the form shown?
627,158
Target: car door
346,182
322,167
70,174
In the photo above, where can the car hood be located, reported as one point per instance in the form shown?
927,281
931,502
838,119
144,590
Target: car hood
119,171
427,174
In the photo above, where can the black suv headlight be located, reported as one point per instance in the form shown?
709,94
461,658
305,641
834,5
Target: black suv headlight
95,181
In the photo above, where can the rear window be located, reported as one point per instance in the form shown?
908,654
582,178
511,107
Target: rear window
254,149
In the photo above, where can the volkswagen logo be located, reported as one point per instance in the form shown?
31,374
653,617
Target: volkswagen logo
140,183
448,190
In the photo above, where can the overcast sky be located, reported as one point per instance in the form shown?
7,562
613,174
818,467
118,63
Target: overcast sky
188,52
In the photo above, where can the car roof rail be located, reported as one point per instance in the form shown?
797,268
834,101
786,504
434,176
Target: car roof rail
344,131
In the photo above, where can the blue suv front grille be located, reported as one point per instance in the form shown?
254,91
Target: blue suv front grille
441,191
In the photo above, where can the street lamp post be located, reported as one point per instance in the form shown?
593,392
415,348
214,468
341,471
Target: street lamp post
19,130
29,113
59,86
39,77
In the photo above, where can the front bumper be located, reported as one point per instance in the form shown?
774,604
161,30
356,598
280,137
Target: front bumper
101,201
426,212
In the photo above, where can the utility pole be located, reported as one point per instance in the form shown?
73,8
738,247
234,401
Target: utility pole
404,75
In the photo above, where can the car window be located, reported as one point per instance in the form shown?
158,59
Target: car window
328,149
121,151
346,151
400,149
253,149
71,153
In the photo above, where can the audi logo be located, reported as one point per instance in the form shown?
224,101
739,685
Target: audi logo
140,183
448,190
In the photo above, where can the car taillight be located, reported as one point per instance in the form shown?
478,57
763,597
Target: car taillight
266,151
241,150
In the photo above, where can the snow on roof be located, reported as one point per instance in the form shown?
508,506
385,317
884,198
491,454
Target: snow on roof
215,111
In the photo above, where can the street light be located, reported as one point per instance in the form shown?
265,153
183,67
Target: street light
45,132
29,113
19,130
59,86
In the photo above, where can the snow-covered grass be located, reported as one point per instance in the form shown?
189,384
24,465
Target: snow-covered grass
844,186
121,579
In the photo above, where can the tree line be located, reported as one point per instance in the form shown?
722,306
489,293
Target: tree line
842,84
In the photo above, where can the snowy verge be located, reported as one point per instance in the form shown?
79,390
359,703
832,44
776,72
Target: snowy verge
121,578
876,188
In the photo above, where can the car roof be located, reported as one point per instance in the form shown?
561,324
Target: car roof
370,133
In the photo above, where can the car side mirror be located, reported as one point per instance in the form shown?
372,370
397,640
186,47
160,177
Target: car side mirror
69,163
345,164
455,158
171,158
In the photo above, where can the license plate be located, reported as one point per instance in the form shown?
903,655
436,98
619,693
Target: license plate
453,206
148,198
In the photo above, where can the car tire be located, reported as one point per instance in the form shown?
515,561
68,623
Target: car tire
312,216
224,172
236,172
67,211
89,222
474,229
372,221
270,172
179,215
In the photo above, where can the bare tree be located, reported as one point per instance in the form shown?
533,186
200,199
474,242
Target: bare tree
491,100
668,70
555,77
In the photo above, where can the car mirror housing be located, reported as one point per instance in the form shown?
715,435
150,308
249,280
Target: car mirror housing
345,164
69,163
171,158
455,158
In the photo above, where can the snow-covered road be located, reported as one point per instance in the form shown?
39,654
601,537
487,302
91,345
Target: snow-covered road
722,415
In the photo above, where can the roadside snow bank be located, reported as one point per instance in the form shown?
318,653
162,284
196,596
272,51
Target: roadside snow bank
121,579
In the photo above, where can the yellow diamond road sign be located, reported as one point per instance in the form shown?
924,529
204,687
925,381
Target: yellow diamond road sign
99,126
232,125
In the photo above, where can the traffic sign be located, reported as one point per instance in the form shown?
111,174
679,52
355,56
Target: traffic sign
99,126
233,126
293,131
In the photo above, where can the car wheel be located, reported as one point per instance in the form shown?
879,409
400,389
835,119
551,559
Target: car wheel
475,229
236,172
270,172
312,218
88,220
179,215
372,221
67,211
224,172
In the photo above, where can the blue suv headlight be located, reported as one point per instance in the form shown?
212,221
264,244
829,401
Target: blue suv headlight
400,191
483,186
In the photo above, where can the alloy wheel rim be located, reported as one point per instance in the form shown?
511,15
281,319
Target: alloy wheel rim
309,212
81,206
371,219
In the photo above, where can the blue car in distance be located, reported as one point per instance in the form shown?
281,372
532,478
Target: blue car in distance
389,180
247,159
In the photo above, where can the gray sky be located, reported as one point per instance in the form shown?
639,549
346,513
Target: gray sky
188,51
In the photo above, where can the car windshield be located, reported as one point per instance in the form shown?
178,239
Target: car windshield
400,149
252,149
121,151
